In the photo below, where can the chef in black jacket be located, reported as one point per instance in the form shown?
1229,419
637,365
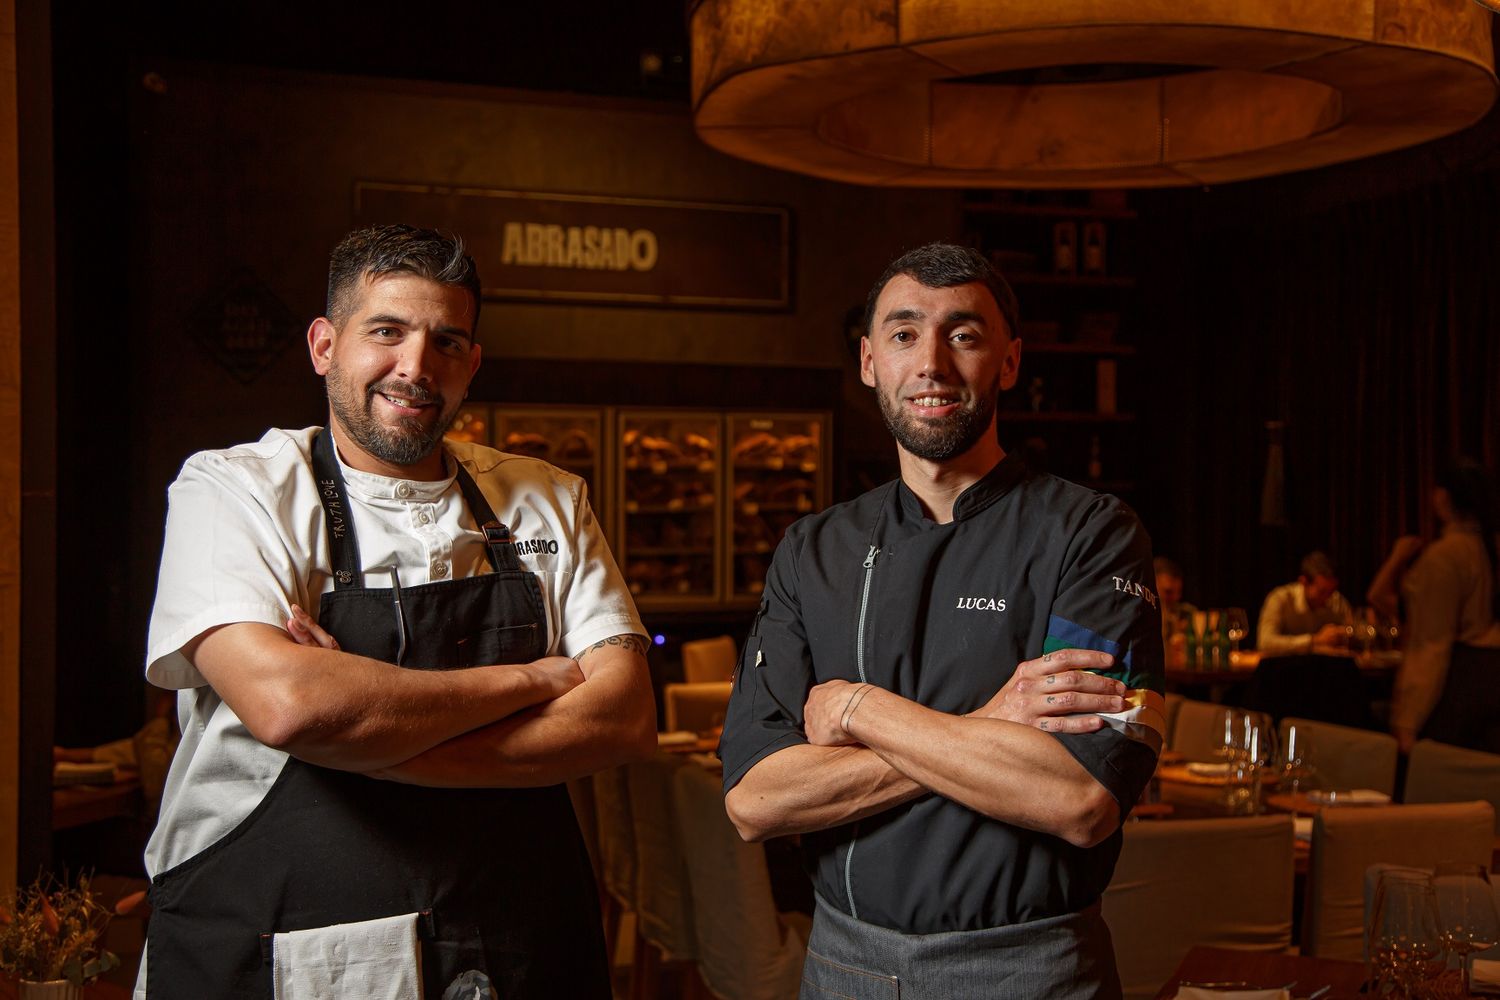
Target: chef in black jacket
952,690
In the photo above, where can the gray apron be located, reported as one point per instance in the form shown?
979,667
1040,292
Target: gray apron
1069,957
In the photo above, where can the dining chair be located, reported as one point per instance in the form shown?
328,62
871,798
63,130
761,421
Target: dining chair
1220,882
696,707
1198,729
1346,841
1174,703
1346,758
708,660
1437,772
747,950
663,898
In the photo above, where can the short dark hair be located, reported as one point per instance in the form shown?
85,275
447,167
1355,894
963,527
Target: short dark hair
944,265
1316,564
1166,567
378,250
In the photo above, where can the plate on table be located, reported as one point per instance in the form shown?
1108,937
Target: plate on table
1183,774
1349,797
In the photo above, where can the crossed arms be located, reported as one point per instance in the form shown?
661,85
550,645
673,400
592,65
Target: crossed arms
522,724
869,749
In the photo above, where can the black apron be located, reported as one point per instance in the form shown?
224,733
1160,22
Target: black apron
500,874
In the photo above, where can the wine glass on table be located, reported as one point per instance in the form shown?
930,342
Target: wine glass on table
1362,641
1228,723
1247,746
1405,941
1261,753
1466,912
1298,774
1238,627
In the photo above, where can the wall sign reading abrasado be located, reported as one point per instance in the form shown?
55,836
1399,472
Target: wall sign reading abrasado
596,249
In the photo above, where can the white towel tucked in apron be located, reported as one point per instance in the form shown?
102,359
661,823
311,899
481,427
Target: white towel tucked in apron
369,960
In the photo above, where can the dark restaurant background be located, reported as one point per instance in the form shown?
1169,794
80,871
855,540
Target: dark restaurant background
1356,304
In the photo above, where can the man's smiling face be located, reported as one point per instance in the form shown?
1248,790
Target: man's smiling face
397,368
937,359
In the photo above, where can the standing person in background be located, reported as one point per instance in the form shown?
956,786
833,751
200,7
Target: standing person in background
368,799
1174,610
1307,616
952,687
1448,687
1169,590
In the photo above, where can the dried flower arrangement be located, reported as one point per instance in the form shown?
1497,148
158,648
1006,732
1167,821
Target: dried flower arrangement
51,931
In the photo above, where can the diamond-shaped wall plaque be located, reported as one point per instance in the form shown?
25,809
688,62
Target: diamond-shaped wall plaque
243,327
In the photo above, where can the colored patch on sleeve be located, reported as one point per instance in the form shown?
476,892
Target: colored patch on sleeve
1063,634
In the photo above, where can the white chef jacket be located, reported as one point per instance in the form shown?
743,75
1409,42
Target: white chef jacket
246,539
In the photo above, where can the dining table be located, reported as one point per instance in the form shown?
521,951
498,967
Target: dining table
79,805
1302,975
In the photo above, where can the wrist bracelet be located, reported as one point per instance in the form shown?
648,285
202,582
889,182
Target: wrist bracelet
849,710
849,706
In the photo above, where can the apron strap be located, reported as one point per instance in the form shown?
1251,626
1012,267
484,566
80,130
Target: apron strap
499,544
498,541
337,516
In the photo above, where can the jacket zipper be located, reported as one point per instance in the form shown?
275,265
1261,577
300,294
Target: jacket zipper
864,604
859,661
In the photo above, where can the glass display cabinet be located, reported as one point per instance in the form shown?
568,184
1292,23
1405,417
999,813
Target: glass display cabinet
776,474
571,438
697,499
667,542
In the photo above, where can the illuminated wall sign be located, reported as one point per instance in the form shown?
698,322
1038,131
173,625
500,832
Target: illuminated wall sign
594,249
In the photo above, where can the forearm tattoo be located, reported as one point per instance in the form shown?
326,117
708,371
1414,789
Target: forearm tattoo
634,643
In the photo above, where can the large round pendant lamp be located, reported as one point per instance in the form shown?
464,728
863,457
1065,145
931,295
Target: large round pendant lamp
1082,93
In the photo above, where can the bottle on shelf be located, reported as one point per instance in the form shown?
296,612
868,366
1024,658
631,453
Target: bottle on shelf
1037,394
1093,248
1096,465
1065,247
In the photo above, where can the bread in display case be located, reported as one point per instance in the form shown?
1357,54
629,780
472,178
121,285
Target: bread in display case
568,437
669,474
776,475
470,423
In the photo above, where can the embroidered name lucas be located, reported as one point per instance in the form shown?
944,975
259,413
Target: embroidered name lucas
981,604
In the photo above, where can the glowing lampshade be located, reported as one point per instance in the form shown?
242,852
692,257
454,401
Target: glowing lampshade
1082,93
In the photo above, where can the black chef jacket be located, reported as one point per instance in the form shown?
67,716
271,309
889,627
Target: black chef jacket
941,614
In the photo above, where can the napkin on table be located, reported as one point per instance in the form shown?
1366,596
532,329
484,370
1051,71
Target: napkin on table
1484,975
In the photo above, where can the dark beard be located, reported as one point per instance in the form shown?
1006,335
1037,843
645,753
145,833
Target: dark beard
938,440
408,441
